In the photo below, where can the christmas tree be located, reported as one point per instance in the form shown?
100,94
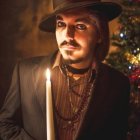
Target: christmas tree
126,58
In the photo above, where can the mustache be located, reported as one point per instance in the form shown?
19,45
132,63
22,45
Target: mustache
71,43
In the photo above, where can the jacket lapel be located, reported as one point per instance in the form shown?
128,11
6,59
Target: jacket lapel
40,88
92,109
40,81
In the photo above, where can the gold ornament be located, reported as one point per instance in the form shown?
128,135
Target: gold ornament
135,60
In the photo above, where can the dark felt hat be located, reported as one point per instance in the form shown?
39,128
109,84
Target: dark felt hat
109,9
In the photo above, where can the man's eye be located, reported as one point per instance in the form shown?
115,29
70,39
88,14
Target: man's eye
60,24
81,27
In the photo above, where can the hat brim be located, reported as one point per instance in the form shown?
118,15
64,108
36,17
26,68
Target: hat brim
109,9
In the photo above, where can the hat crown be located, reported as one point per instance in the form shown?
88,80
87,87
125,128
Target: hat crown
57,3
110,9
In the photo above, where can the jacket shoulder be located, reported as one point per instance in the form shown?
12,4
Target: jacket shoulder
33,60
114,74
39,60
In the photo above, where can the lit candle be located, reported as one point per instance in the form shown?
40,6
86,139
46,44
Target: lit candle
49,108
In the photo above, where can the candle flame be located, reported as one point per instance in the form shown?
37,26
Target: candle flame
48,74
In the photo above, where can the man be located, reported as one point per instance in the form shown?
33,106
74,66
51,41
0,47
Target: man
90,99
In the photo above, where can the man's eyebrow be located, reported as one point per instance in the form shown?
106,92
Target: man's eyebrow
85,19
58,17
82,19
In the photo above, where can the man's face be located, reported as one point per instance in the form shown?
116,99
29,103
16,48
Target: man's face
77,35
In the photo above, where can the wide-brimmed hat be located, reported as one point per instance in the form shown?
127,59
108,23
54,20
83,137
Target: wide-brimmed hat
110,9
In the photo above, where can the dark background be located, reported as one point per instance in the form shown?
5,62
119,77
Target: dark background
20,37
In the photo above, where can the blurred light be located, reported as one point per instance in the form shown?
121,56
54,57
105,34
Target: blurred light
121,35
130,67
135,51
138,49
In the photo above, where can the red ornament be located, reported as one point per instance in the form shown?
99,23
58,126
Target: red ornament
136,0
135,78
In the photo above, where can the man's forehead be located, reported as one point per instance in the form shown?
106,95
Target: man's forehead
77,15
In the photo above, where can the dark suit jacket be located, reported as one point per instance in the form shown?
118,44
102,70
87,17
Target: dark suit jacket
105,119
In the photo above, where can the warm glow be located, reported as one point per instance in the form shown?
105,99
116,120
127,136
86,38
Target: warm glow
48,74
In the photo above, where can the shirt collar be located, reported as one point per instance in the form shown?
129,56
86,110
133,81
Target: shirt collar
57,61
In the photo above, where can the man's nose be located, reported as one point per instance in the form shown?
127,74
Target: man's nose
69,33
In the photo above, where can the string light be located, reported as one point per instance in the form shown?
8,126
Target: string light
135,51
121,35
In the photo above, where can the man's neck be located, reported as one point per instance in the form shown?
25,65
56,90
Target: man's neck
83,65
77,71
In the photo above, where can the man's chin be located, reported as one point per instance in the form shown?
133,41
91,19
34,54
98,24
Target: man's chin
70,58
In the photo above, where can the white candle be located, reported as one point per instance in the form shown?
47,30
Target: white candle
49,109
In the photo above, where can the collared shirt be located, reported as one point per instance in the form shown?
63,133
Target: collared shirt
69,95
